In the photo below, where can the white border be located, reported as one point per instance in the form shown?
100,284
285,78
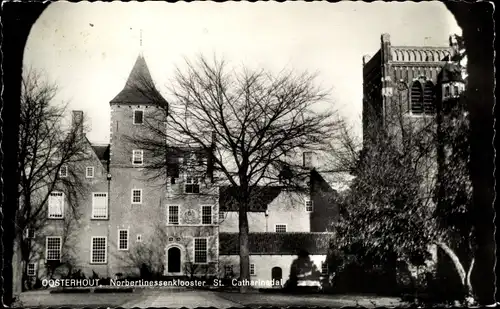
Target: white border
178,214
141,156
133,116
86,171
62,206
211,214
194,250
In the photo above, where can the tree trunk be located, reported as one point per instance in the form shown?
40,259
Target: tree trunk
476,20
17,267
464,276
244,248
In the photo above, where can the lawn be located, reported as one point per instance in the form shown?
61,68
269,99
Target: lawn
39,299
256,299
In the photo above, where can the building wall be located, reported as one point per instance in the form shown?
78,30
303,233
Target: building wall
287,208
264,265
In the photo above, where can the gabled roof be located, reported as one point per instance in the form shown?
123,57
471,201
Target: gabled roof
139,88
101,151
276,243
260,198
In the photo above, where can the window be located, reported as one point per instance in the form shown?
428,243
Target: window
30,233
173,214
136,196
89,172
139,238
252,270
31,269
192,185
206,215
200,250
98,250
324,268
228,270
63,171
138,116
137,157
447,93
56,205
221,215
280,228
456,91
53,248
429,98
122,239
417,104
100,205
309,205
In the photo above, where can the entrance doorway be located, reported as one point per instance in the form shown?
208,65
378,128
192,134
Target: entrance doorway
277,275
174,260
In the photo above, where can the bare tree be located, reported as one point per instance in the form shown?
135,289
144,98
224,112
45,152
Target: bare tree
49,155
252,124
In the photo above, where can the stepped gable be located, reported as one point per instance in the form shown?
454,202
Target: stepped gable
139,88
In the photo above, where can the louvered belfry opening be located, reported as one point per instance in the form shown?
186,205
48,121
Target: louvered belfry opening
417,98
429,98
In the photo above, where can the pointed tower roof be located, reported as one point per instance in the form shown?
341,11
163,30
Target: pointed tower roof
139,88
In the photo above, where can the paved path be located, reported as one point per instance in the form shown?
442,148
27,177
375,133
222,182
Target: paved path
180,298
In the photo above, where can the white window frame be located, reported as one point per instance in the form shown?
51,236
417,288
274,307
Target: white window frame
47,247
132,196
211,214
27,233
194,250
120,240
93,206
140,153
105,249
309,206
252,269
87,169
31,272
178,214
55,215
133,116
65,168
138,238
193,183
281,224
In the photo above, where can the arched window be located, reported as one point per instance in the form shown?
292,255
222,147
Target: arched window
417,104
429,98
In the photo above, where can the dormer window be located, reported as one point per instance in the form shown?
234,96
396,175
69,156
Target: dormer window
138,116
446,91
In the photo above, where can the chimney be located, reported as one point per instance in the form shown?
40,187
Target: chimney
308,159
77,122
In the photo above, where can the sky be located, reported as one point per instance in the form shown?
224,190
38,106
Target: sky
88,49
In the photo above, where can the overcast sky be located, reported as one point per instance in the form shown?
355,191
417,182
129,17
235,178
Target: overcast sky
88,49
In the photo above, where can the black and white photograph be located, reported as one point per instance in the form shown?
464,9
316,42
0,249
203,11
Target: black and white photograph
248,155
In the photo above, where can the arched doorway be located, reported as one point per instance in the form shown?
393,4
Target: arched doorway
276,275
174,260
